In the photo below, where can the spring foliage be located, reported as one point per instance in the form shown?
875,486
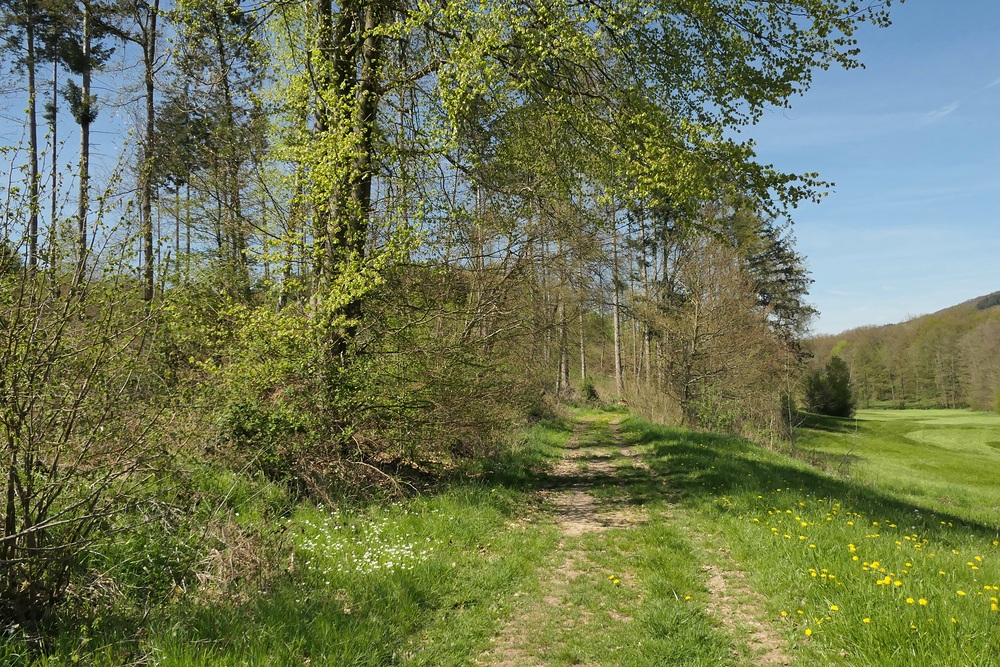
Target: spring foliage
386,232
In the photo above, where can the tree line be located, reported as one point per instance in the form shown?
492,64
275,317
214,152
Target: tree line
347,241
948,360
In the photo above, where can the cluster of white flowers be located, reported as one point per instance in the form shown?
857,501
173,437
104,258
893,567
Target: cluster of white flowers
334,544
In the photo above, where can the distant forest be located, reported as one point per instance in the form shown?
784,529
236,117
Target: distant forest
949,359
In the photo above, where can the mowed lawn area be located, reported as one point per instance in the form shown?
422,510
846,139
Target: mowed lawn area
948,460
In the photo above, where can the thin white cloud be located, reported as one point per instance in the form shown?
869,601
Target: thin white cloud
995,82
938,114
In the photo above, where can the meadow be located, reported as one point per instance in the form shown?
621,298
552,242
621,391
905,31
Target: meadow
897,563
941,459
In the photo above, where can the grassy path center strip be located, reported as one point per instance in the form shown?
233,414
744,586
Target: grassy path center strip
611,591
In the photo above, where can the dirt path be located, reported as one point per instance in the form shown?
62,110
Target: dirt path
576,512
579,513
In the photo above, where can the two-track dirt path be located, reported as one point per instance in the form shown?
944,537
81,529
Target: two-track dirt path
578,510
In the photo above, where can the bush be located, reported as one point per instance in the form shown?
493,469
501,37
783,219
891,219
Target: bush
78,451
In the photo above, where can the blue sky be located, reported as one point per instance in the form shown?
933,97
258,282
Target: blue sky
912,144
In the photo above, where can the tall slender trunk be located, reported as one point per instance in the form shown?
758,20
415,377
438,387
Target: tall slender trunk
187,233
562,383
583,322
647,335
53,201
146,168
616,307
232,223
85,121
177,234
33,203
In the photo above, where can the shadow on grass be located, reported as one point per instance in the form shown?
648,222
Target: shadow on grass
829,461
699,466
531,469
827,423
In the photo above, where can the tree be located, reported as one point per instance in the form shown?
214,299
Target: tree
34,30
828,391
84,55
656,113
143,17
216,90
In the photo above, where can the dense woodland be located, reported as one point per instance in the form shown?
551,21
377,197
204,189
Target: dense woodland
949,359
345,246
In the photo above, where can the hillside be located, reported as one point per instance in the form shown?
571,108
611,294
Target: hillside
949,358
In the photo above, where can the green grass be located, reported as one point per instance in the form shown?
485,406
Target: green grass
896,564
630,596
940,459
829,553
369,584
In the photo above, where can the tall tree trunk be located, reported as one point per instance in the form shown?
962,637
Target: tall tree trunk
562,383
583,323
348,95
54,195
146,168
647,331
232,222
616,307
367,104
83,204
33,202
187,232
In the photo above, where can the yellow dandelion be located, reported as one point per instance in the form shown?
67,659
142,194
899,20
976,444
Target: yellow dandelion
910,600
866,620
809,632
834,607
923,602
784,614
961,592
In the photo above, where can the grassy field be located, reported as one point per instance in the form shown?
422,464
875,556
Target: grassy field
899,567
941,459
716,552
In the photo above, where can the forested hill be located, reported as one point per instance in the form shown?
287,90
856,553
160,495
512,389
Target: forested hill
949,358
